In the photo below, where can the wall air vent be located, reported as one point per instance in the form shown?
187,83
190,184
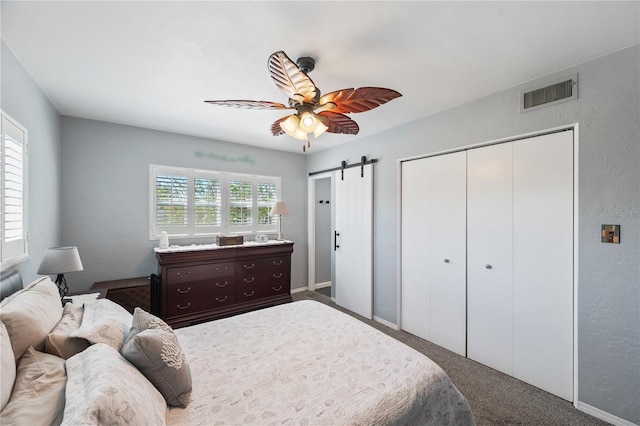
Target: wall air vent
563,90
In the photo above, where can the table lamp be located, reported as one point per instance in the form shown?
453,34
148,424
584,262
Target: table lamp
58,261
280,208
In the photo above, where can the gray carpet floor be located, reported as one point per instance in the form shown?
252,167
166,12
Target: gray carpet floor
495,398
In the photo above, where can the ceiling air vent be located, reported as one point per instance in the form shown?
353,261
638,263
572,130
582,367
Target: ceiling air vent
563,90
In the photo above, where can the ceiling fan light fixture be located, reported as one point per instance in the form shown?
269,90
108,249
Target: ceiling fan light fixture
320,129
291,127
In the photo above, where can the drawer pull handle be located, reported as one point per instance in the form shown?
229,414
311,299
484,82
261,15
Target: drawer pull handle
277,262
277,288
222,285
179,290
488,266
249,294
249,280
446,261
221,300
183,307
218,269
180,274
249,266
277,275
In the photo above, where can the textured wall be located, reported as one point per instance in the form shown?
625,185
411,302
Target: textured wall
608,116
23,100
105,193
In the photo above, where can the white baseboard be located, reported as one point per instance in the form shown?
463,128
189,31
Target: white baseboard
603,415
299,290
385,322
323,285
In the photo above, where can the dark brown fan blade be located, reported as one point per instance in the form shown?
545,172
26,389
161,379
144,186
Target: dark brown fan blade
357,100
338,123
250,104
288,77
276,130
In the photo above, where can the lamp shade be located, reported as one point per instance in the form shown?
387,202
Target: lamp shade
60,260
280,207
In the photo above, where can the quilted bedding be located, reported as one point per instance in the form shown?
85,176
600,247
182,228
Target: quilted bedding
307,363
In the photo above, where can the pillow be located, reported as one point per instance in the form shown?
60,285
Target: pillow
30,314
7,366
143,320
58,342
104,321
103,388
38,395
157,354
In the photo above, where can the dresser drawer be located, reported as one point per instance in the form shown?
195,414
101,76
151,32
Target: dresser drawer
198,297
248,292
263,277
199,272
254,265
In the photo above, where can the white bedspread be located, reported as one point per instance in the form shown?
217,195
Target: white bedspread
304,363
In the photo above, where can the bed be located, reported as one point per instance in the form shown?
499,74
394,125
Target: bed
297,363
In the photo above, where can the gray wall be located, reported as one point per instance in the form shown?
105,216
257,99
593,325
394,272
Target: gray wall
323,230
105,193
608,113
23,100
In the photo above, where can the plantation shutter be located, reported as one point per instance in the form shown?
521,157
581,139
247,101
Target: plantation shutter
13,164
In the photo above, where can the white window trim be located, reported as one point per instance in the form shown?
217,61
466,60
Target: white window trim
188,232
8,260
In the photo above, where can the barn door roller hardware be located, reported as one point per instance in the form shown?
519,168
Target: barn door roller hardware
343,165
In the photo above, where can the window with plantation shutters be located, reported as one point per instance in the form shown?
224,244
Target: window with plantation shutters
14,246
198,203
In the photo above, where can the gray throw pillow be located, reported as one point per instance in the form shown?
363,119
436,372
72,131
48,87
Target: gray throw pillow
157,354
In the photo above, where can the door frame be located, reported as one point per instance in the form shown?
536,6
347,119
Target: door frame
311,226
576,227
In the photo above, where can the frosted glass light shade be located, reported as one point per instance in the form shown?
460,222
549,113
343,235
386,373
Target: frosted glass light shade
299,127
60,260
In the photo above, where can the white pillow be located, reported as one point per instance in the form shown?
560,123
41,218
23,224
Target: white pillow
104,321
7,366
30,314
104,388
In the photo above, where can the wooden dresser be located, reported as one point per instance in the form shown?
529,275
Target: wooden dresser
204,284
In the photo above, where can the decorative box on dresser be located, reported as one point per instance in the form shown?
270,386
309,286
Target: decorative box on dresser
201,283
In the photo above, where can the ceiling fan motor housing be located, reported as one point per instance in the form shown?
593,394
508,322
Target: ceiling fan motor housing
306,64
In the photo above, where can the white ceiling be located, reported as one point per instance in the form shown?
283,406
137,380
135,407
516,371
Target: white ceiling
152,63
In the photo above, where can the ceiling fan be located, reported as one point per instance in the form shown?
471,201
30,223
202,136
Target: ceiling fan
314,114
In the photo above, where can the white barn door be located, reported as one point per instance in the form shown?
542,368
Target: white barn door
353,242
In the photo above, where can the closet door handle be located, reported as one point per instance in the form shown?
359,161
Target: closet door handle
446,261
336,234
488,266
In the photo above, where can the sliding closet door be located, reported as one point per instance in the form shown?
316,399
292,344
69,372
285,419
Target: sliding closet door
415,248
543,262
434,250
354,240
490,256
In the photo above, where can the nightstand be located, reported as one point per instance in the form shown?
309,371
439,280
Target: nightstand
128,292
